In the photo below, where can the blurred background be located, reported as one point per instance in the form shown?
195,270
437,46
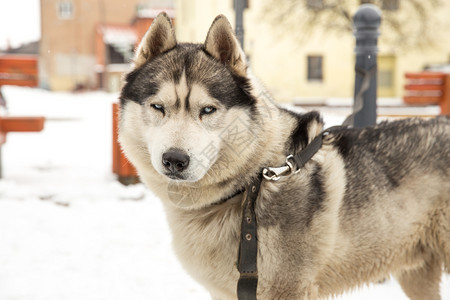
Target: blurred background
301,49
69,229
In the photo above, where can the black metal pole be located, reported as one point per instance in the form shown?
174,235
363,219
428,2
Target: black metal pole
239,6
366,23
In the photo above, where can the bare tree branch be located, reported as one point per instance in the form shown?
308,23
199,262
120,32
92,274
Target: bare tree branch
410,26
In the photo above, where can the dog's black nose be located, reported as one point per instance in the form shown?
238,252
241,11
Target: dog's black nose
175,160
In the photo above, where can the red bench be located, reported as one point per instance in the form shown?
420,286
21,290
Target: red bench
16,69
18,124
21,70
125,171
428,88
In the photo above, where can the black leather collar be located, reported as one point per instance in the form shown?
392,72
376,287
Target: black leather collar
223,200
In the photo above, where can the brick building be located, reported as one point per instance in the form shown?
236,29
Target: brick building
88,44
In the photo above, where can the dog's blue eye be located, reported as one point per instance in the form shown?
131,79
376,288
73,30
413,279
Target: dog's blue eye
207,110
158,107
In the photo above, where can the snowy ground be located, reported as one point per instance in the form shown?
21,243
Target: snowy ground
68,230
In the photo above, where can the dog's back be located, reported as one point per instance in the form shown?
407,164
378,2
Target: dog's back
425,142
394,154
396,208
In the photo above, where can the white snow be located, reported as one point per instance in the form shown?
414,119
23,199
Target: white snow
69,230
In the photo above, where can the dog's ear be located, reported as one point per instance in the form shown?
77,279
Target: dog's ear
159,38
222,44
309,125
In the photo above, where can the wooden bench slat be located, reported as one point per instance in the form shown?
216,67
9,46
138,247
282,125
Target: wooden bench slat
21,124
423,100
30,83
21,70
424,87
425,75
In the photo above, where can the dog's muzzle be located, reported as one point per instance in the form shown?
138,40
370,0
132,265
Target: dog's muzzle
175,161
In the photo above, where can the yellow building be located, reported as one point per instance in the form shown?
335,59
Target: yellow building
319,67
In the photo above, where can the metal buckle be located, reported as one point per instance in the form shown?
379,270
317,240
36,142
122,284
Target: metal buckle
274,174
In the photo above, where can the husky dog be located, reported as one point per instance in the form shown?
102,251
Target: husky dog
370,203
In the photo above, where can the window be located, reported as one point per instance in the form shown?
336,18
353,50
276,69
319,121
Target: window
315,4
386,75
114,56
385,78
65,10
315,68
390,4
119,54
246,4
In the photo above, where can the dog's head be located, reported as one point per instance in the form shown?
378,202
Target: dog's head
187,108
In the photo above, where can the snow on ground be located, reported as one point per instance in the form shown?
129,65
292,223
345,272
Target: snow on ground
69,230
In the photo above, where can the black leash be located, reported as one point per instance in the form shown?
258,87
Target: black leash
248,246
359,101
